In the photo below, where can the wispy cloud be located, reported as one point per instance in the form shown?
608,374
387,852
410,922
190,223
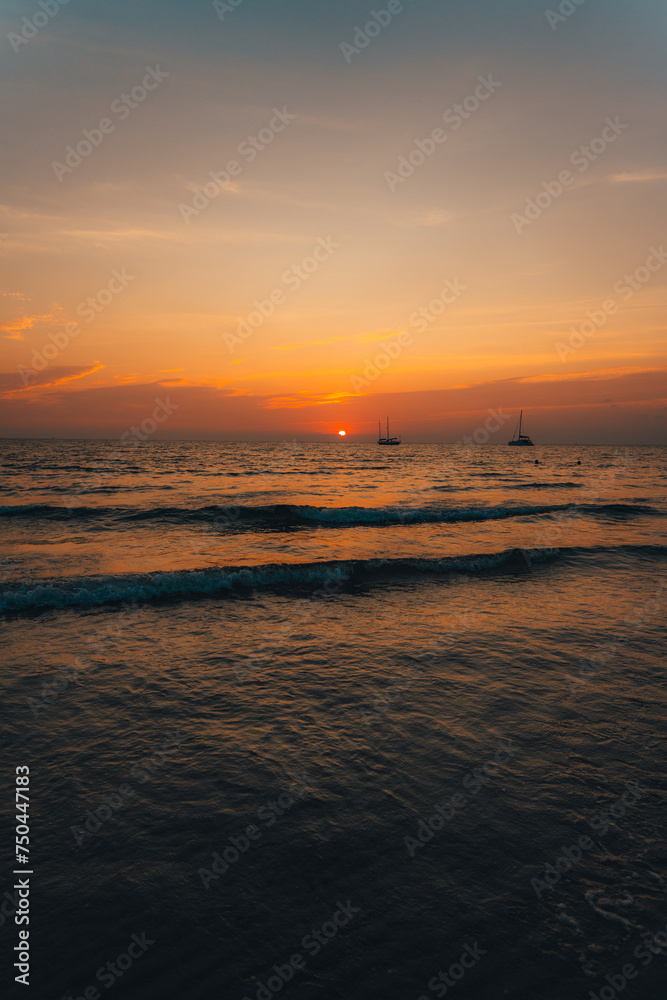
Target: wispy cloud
308,343
302,399
15,327
13,383
639,177
383,335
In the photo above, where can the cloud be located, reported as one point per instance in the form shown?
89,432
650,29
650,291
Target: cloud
639,177
433,217
604,373
384,335
38,231
302,399
12,383
15,327
308,343
573,408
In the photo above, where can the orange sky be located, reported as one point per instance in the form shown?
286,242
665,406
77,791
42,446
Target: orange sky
312,287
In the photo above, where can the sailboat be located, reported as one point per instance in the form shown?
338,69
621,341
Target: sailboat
387,439
522,440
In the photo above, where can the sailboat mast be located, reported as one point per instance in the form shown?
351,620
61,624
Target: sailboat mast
520,420
387,426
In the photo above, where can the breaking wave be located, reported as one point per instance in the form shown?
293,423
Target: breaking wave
288,515
297,579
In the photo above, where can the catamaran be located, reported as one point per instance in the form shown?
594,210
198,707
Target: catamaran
387,439
522,440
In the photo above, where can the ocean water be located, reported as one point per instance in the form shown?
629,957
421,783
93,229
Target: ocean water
337,722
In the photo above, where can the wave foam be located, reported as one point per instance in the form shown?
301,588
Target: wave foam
92,591
289,515
293,578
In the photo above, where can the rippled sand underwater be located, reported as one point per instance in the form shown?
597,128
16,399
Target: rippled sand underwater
327,722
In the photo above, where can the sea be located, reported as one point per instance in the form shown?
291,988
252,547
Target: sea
334,721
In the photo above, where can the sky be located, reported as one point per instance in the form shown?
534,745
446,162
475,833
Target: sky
279,220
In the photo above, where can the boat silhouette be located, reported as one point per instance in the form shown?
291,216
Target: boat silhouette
387,439
521,440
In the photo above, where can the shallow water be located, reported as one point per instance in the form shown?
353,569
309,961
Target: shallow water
360,632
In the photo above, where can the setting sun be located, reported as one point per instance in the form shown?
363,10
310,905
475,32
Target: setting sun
341,433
